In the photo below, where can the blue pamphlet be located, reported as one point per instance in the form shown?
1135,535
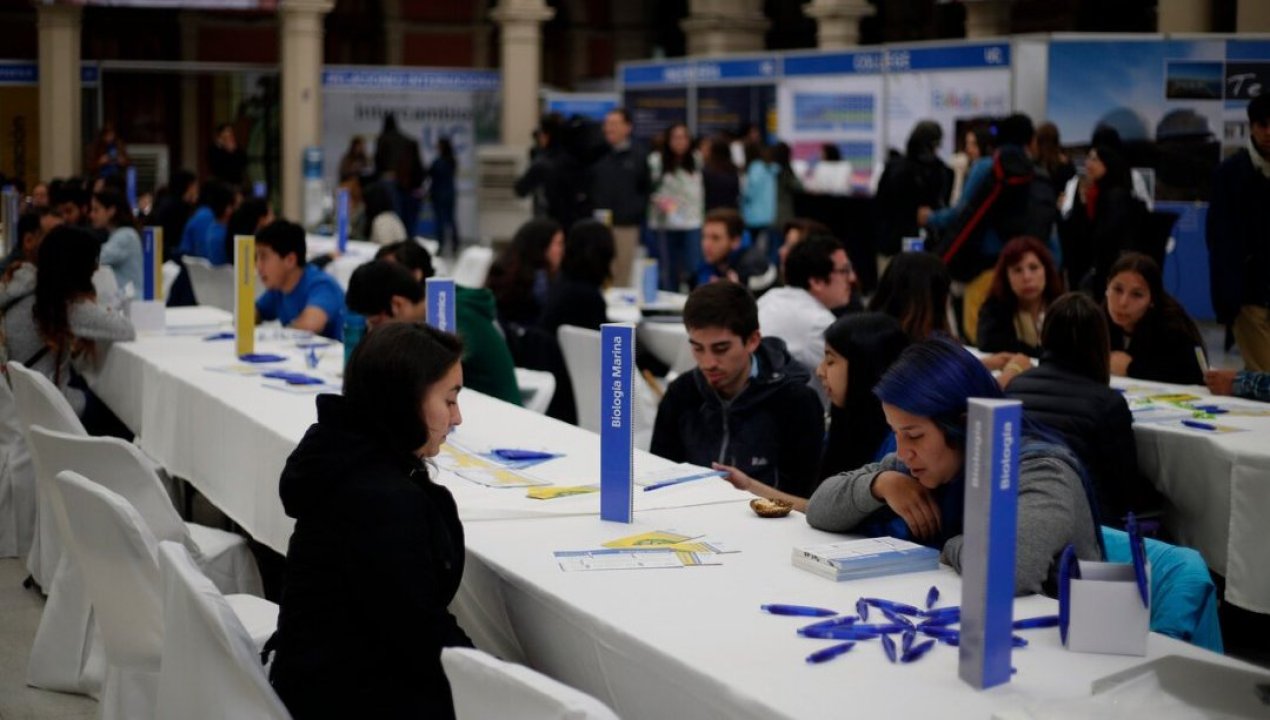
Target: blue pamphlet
617,422
993,435
341,220
440,297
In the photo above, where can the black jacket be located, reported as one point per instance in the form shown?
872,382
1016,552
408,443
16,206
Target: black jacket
1091,247
772,430
996,329
558,177
1097,425
375,559
907,184
1162,351
1238,235
620,182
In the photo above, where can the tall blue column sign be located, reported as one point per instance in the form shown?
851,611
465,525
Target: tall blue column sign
617,422
440,299
151,262
341,220
130,187
993,435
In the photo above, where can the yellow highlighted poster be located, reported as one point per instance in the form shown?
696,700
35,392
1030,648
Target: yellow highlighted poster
649,539
244,294
551,493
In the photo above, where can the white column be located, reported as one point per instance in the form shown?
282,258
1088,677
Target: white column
393,32
837,22
1252,16
192,143
300,50
1184,16
987,18
521,22
61,124
715,27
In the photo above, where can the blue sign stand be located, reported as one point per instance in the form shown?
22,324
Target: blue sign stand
130,178
260,189
440,298
617,422
341,220
994,431
651,279
149,249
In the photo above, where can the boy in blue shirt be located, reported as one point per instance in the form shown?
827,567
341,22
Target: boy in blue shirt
297,294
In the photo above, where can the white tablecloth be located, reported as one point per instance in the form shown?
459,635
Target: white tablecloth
663,336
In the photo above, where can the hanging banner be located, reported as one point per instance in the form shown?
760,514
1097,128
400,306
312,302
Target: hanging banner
943,96
845,111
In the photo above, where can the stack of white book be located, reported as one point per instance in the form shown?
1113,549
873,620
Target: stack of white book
865,558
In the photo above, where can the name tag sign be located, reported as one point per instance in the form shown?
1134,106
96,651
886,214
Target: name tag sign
244,294
440,298
994,430
650,281
152,263
341,220
130,187
617,422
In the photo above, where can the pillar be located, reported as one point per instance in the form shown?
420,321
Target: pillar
394,37
1184,16
192,142
300,46
1252,16
61,114
716,27
987,18
630,30
837,22
521,32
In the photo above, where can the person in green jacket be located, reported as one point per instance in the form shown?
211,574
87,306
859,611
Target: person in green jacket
389,290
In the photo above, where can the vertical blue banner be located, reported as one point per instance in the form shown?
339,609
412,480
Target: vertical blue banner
260,189
149,250
617,422
130,178
341,220
993,435
650,281
440,298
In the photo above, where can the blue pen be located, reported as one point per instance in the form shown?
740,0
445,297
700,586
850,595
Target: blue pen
220,336
1138,553
896,607
896,618
1068,568
884,629
677,481
261,358
888,645
940,632
932,597
1211,409
1017,641
842,632
862,609
917,651
1199,425
1043,621
799,610
831,623
907,640
943,621
515,454
829,653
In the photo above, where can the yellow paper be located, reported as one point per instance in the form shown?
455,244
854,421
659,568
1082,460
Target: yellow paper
648,539
244,294
1174,398
556,491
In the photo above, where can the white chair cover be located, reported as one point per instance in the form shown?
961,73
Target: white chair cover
472,267
17,480
211,667
39,402
213,286
115,554
536,388
486,687
581,350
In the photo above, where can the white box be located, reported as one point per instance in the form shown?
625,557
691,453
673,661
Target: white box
148,316
1107,614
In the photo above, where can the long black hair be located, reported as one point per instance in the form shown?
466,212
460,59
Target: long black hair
588,252
511,278
389,375
64,275
870,342
914,290
113,199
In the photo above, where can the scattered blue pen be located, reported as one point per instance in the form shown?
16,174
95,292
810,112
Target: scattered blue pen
220,336
896,618
677,481
896,607
889,646
799,610
261,358
906,641
1068,568
941,621
829,653
1211,409
1138,553
516,454
841,632
1043,621
862,609
940,632
1018,642
917,651
932,597
1199,425
832,623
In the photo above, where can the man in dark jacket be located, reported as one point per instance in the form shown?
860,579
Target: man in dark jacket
1239,240
556,177
747,403
398,165
620,184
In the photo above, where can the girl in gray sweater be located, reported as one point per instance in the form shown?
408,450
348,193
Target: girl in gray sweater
917,492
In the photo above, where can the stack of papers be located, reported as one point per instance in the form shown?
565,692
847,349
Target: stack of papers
865,558
648,550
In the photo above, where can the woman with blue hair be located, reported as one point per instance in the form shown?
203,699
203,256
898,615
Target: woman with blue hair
917,492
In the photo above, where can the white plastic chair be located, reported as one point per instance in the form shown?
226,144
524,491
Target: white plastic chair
211,667
472,267
485,687
116,554
39,402
213,285
537,387
17,480
581,350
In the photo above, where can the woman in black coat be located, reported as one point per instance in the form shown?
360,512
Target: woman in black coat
1152,337
377,553
1068,392
1103,223
1024,284
577,297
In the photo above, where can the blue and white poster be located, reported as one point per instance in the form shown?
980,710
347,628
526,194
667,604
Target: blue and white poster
617,422
440,301
845,111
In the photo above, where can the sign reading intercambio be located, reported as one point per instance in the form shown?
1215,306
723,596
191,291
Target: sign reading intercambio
617,422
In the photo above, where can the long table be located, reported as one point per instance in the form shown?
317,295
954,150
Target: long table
682,643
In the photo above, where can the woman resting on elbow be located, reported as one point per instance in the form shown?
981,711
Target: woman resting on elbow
917,492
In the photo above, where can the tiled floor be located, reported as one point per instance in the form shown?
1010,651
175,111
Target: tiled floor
19,617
